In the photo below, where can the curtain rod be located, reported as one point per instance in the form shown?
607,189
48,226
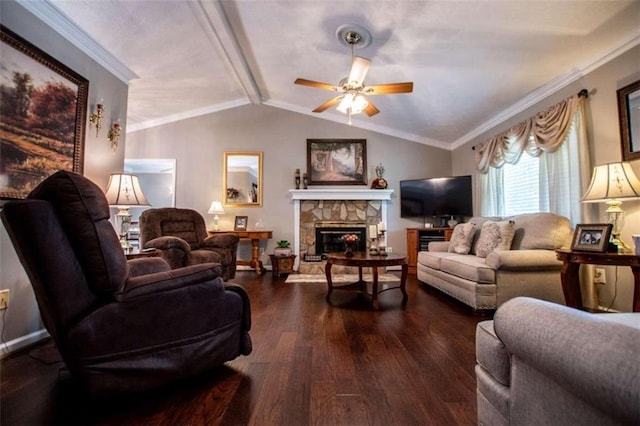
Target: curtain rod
584,93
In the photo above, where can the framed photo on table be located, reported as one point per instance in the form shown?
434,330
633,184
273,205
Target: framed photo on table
42,116
591,237
337,161
240,223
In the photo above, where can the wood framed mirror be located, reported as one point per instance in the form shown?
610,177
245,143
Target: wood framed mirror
242,179
629,116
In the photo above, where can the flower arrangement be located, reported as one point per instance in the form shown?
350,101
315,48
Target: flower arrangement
349,238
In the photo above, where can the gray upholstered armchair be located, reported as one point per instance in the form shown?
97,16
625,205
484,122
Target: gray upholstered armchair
181,237
540,363
121,326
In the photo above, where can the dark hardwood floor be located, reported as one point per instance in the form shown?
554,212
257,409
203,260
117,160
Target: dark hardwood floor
312,363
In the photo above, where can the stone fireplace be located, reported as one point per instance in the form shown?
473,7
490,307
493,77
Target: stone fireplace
349,209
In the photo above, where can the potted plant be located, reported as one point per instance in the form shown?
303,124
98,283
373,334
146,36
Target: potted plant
283,248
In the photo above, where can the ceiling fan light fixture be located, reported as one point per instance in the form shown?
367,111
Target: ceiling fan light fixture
345,103
352,103
359,104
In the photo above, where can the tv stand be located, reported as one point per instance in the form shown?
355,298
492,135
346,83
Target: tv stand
418,239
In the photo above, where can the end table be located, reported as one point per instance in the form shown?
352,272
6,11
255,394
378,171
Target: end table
282,264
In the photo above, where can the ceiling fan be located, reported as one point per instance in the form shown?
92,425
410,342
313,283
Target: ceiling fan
353,91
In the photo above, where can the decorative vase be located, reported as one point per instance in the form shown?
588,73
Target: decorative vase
348,249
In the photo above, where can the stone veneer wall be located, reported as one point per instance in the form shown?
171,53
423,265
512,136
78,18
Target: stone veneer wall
312,211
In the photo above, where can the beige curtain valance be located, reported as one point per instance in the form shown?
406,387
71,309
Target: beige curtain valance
545,132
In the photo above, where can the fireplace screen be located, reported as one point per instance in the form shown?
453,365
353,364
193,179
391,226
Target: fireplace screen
328,236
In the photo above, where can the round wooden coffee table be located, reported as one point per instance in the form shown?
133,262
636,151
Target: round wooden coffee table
365,260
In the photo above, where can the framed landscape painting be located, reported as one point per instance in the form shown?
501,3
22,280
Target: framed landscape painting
43,107
337,161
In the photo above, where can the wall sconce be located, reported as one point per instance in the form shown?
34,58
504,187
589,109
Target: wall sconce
96,117
114,135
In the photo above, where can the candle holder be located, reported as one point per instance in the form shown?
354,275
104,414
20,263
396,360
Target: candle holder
382,244
373,246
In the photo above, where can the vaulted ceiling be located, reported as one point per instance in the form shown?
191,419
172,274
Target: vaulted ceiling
473,63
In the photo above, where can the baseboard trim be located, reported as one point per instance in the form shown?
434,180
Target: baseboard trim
22,342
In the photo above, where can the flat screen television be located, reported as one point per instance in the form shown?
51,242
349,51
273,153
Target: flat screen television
442,196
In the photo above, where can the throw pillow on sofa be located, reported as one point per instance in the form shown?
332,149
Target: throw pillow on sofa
461,238
495,236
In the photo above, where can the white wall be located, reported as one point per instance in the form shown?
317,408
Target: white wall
198,145
604,139
22,320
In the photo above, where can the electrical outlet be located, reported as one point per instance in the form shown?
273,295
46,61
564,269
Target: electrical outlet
261,251
4,299
389,250
600,276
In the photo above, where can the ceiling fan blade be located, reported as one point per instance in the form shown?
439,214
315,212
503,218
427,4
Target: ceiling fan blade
359,68
316,84
387,89
325,106
371,109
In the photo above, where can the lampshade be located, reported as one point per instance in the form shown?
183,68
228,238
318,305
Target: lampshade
613,181
124,190
216,208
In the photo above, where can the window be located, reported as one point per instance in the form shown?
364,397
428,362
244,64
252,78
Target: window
522,186
548,183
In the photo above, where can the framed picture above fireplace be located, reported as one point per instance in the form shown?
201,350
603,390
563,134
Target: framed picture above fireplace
337,161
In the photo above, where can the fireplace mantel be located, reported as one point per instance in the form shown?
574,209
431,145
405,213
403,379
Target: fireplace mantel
341,194
300,195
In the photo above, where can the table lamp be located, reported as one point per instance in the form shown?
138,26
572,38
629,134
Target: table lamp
123,191
611,183
216,209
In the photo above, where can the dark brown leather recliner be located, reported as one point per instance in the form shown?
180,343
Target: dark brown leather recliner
181,236
120,326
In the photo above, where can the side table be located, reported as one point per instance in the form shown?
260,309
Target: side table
255,237
282,264
570,276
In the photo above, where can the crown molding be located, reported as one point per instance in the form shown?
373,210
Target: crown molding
548,89
341,119
533,98
186,115
60,23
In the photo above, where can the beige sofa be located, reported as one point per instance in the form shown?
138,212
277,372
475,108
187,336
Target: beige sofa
526,266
